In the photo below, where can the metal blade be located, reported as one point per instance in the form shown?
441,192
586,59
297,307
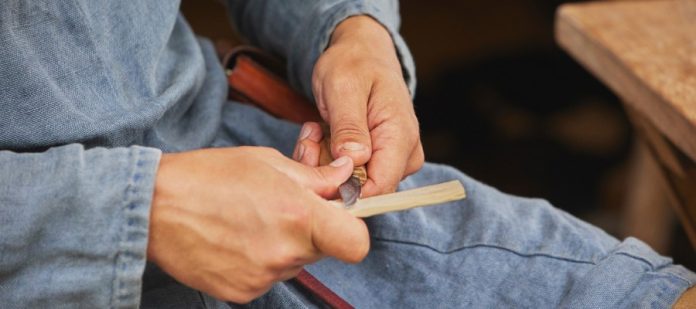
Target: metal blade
350,191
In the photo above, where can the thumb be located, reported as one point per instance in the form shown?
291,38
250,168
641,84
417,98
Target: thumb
350,134
329,177
322,180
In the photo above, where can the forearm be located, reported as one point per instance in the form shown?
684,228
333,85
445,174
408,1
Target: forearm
74,225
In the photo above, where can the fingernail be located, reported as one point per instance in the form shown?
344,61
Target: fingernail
304,133
340,161
353,146
300,152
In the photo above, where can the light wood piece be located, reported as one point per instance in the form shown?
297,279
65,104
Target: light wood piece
403,200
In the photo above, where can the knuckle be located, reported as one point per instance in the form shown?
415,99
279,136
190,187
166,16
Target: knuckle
270,151
245,297
387,186
325,184
251,288
234,295
417,159
413,168
344,83
390,187
298,217
252,155
413,131
347,128
248,149
373,65
286,256
260,283
420,156
295,272
318,71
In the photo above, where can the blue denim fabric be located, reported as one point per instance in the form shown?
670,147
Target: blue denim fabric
491,250
93,92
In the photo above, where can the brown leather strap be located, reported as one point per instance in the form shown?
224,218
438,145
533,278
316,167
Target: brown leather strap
318,289
253,81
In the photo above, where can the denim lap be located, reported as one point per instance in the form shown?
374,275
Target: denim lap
489,250
497,250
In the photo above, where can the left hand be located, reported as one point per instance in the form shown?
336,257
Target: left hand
361,93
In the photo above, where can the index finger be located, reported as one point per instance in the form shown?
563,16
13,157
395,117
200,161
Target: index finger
337,233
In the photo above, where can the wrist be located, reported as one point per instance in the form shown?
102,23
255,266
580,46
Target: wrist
365,32
359,26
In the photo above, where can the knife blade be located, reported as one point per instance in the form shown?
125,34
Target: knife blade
350,191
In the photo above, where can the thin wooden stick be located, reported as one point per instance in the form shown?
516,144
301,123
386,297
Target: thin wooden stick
423,196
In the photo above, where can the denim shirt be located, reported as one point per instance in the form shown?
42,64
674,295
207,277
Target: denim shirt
92,93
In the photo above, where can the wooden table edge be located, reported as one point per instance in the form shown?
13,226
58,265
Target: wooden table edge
569,34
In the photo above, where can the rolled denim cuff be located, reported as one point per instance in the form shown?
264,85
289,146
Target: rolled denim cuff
134,226
74,226
304,52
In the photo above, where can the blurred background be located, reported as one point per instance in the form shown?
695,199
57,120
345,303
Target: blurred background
498,99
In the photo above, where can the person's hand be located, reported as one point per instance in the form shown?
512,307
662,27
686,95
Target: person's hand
361,93
233,221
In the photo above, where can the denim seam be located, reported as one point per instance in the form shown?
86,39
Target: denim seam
668,291
668,272
118,258
689,282
653,268
487,246
126,255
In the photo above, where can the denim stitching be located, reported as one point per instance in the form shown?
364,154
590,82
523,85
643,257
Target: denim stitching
486,246
117,257
652,268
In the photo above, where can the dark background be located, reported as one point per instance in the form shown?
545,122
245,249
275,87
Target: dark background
498,99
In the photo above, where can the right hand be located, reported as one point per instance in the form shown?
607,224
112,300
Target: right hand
233,221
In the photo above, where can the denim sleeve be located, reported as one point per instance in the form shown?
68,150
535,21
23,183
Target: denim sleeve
299,30
74,226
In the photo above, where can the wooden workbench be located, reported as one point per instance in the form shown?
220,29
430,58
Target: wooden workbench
645,51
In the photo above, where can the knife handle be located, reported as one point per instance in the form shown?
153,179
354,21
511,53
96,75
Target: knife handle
325,156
